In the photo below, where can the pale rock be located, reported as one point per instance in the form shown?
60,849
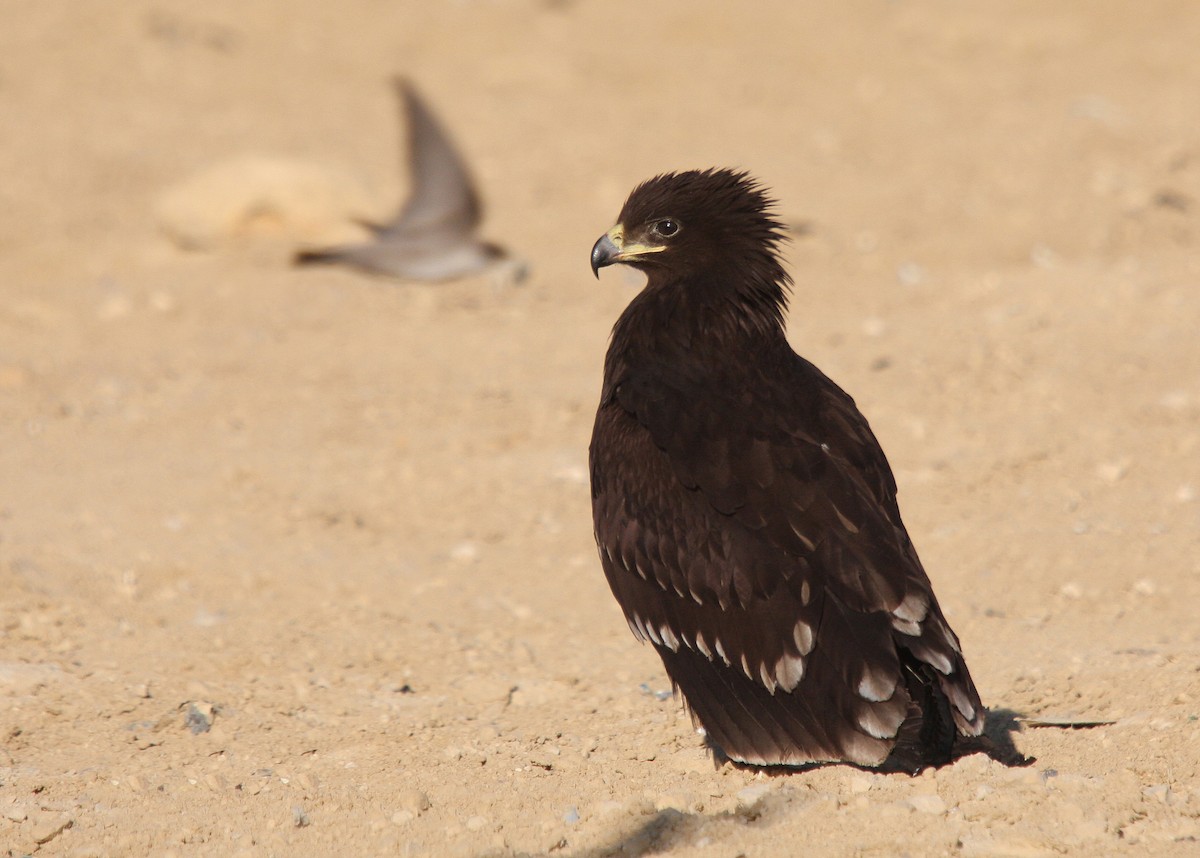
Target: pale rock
749,797
927,803
261,195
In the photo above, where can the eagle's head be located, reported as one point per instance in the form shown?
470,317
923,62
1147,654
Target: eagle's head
702,230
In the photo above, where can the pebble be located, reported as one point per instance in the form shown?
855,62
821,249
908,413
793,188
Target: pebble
1159,792
254,195
475,823
47,825
749,797
199,717
414,801
1113,472
859,784
927,803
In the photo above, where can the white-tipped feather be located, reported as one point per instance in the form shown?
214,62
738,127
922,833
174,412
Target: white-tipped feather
802,634
669,638
914,608
789,670
877,686
768,678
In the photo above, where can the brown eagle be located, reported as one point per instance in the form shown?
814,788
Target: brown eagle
745,513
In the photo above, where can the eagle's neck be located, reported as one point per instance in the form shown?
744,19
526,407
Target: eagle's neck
700,322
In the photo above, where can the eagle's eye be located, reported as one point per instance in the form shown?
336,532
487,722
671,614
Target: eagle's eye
666,228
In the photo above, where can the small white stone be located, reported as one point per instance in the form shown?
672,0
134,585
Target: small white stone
749,797
859,784
1113,472
413,801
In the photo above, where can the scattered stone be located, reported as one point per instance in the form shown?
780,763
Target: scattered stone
414,801
46,825
299,817
859,784
1159,792
199,717
14,812
1070,590
1113,472
261,196
927,803
748,798
475,823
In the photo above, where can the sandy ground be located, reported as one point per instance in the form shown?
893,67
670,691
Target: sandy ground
299,562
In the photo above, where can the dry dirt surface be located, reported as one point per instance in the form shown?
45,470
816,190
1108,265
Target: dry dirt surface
299,562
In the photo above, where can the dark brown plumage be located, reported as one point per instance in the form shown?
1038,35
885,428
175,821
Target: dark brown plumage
745,514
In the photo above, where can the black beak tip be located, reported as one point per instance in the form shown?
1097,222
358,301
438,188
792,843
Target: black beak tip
604,252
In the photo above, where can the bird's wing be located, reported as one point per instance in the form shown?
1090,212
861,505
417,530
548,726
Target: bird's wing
785,555
442,195
792,466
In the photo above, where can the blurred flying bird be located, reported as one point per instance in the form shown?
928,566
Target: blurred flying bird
434,235
745,514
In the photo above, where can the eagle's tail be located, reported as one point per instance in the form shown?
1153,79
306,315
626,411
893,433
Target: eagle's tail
748,724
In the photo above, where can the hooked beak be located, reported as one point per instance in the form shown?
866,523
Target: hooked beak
606,250
611,248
